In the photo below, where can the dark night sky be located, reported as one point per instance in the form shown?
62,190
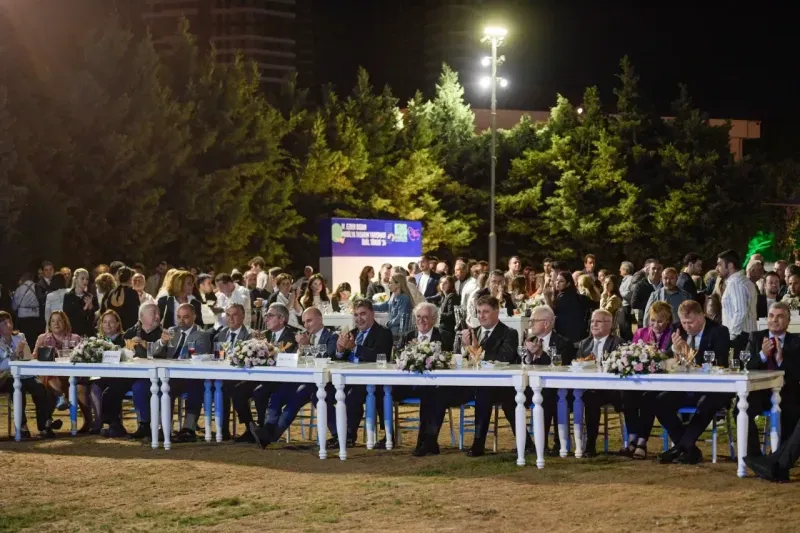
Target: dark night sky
738,62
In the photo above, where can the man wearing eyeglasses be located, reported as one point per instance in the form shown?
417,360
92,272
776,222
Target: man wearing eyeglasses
599,344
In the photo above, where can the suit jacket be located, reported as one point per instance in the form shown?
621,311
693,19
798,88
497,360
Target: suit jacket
761,308
224,334
640,294
714,337
430,292
264,294
378,340
287,337
437,335
447,314
507,299
686,283
201,339
501,345
166,306
82,321
564,347
373,289
329,339
790,364
572,311
587,345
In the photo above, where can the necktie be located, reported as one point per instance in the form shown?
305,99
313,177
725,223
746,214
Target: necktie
771,364
179,348
359,341
483,337
232,341
596,350
314,339
423,338
691,342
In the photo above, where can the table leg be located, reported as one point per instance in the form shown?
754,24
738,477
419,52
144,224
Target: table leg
741,432
154,410
73,405
166,412
369,421
17,408
207,408
539,437
775,419
219,408
578,412
322,420
519,419
563,422
388,419
341,420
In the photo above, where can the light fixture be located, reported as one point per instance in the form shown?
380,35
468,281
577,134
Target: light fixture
580,110
486,61
503,82
495,32
485,82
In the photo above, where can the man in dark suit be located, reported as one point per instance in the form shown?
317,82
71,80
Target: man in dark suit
541,343
278,333
289,398
233,333
174,344
382,285
641,291
775,349
599,344
696,335
361,345
495,286
499,343
428,280
772,288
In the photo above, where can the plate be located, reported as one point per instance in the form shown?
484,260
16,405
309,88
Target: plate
202,358
583,366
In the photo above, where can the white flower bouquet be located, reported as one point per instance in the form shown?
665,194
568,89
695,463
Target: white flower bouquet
380,298
423,357
91,350
792,301
253,352
633,359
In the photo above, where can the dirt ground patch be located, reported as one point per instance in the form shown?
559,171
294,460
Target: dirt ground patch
95,484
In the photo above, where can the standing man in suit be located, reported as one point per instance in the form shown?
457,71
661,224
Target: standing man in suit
696,335
289,398
496,287
542,341
382,285
772,289
174,344
600,344
642,289
234,332
775,349
362,344
428,280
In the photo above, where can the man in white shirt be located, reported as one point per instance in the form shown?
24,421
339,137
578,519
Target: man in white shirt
257,265
230,293
739,301
25,304
427,280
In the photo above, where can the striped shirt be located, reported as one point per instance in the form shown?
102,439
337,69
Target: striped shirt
739,303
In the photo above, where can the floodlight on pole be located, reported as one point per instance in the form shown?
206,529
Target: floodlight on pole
486,61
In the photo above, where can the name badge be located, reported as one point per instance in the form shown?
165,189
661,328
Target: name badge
287,360
112,357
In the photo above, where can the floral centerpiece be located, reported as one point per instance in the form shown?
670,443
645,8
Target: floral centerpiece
632,359
253,352
530,303
792,301
380,298
421,357
91,351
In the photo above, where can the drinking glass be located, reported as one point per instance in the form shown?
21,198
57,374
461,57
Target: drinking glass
555,357
381,360
523,353
192,347
744,356
733,364
708,360
152,348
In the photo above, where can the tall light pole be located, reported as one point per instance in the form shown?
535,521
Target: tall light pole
494,36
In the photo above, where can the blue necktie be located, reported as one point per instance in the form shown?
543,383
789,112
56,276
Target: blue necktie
359,341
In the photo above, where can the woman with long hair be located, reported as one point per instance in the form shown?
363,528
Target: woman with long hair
367,273
316,294
80,305
399,305
341,294
181,291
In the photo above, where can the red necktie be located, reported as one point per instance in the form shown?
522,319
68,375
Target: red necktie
771,360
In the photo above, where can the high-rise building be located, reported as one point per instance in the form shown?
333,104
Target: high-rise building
264,31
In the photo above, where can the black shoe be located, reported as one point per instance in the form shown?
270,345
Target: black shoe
380,445
553,452
670,456
25,434
332,444
142,432
766,469
426,449
95,430
419,451
245,437
590,453
47,434
692,457
476,451
56,424
262,436
185,435
116,431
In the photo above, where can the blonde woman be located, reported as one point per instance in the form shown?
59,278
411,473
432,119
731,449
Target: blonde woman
80,305
399,305
587,287
105,283
167,283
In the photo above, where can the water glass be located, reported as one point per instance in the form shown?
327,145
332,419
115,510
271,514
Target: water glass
523,354
152,348
381,360
733,364
555,358
458,360
708,360
744,355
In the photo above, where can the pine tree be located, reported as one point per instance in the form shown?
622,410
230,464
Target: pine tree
452,120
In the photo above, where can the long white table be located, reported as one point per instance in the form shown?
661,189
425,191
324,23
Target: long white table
564,378
137,369
344,374
215,372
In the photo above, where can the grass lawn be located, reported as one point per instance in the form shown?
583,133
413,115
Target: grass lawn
95,484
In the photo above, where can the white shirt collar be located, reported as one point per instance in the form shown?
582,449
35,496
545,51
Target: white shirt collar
781,338
546,339
277,334
428,335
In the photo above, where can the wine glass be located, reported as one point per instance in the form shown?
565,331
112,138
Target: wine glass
523,353
555,357
381,360
708,359
744,357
